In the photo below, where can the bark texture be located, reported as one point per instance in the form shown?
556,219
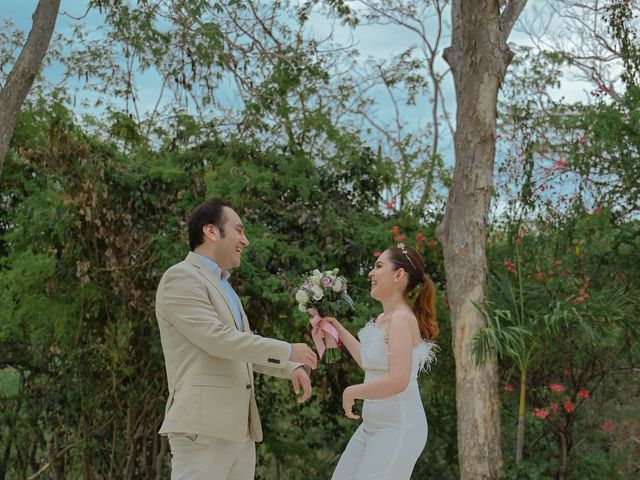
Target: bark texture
24,72
478,57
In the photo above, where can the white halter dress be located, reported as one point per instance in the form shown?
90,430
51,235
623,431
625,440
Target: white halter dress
394,430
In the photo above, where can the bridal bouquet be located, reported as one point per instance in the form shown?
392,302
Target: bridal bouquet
324,292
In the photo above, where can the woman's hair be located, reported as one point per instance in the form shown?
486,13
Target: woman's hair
424,306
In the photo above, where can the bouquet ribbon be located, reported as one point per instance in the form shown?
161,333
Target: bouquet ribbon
324,334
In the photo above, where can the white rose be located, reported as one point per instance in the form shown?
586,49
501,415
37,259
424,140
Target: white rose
317,292
316,277
302,296
337,285
302,308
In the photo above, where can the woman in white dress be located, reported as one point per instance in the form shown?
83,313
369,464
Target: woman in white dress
392,350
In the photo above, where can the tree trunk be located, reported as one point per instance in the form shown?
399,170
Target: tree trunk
478,57
561,474
24,71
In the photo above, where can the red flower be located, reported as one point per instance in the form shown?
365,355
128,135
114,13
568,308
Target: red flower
540,277
569,406
583,394
578,300
508,388
395,230
390,205
560,165
432,244
399,238
509,266
606,426
554,407
420,237
556,387
377,254
541,413
586,295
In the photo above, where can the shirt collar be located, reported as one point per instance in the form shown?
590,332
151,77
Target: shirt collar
214,267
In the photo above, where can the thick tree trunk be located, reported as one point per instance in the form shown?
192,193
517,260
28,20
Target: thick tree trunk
478,57
25,70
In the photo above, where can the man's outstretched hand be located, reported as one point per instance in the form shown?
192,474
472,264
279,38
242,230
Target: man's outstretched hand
300,378
301,353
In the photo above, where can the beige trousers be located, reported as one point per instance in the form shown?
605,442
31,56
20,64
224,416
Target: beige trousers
199,457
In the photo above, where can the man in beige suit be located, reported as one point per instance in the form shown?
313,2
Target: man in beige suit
211,416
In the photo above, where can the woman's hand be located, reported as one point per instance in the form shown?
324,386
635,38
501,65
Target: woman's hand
348,401
333,322
336,324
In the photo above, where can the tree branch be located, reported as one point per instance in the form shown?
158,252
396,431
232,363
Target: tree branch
24,71
509,16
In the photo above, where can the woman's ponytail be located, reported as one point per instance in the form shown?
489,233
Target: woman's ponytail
424,308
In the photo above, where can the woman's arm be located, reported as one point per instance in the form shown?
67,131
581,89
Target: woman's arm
349,341
400,348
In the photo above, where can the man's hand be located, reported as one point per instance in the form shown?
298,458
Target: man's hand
300,378
301,353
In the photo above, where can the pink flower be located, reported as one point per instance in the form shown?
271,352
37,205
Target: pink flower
509,266
395,230
578,300
581,140
586,295
583,394
554,407
420,237
326,281
377,253
556,387
569,406
508,388
541,413
399,238
606,426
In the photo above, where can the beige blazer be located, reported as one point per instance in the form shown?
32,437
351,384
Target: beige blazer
209,362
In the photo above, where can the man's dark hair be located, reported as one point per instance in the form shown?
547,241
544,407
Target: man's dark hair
209,212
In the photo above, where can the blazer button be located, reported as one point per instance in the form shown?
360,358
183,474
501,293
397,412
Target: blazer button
249,386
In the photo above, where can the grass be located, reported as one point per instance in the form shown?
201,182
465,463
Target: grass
9,382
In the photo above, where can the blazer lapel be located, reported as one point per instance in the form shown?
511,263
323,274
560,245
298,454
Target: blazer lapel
245,320
211,278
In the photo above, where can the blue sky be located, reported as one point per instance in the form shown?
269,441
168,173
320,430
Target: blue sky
380,42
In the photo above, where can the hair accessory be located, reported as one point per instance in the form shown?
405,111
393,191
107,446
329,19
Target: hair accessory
406,254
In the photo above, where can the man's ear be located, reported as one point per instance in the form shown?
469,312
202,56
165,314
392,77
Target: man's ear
211,232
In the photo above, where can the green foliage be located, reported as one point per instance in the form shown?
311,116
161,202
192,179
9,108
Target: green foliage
86,233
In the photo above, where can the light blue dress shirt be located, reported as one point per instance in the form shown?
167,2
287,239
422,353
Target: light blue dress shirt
232,296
